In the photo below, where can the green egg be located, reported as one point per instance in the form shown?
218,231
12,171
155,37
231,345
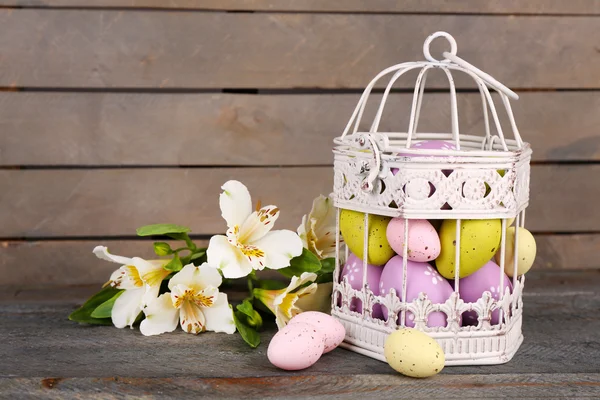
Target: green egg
352,226
479,242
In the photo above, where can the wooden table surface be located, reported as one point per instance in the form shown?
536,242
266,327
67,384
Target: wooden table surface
43,355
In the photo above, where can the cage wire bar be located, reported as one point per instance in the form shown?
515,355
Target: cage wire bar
364,183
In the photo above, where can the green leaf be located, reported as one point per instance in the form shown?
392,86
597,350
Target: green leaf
271,284
104,310
84,313
253,318
161,229
324,278
305,262
327,265
175,264
184,236
198,253
248,333
162,249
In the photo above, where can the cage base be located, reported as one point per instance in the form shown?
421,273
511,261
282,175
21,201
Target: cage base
462,348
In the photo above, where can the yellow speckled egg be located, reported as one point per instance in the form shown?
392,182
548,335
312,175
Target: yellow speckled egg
526,251
479,241
352,226
413,353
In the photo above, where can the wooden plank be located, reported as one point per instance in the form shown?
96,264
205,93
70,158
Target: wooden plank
71,262
557,359
117,201
150,129
583,7
147,49
309,386
56,203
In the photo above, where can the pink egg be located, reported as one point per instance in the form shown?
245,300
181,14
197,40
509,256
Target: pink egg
428,145
421,277
332,329
295,347
423,240
353,271
470,288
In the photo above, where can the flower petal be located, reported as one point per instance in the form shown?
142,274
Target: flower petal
196,278
228,258
161,316
151,272
235,202
127,277
219,317
102,253
279,248
191,318
127,307
320,300
258,224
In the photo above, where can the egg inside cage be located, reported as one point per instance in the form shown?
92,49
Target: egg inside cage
431,226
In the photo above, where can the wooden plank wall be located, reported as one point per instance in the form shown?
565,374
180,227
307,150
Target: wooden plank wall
120,113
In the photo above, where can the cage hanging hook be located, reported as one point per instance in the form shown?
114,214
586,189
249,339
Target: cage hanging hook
430,38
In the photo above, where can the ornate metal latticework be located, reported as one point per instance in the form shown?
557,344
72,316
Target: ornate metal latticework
483,177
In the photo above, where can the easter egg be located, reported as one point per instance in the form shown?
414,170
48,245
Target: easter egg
479,241
420,277
526,250
332,330
353,271
423,240
296,346
413,353
486,278
352,226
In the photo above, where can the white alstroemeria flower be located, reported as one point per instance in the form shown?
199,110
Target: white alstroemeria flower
139,278
250,244
194,302
317,230
285,303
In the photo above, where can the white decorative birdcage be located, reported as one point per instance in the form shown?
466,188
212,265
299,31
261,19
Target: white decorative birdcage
458,184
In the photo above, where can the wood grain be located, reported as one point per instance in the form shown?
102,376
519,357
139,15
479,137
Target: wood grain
148,49
71,262
380,6
176,129
55,203
558,359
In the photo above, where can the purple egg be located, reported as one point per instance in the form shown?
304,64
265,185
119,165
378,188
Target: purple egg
421,277
428,145
472,287
353,271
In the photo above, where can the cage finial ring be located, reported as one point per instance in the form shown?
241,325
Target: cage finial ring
448,37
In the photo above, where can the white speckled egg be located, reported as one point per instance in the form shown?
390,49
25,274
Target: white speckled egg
413,353
297,346
332,329
423,240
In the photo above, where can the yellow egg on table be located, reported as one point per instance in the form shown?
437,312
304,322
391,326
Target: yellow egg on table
526,250
413,353
479,241
352,226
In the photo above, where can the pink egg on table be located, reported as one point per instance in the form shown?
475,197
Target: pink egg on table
332,329
295,347
486,278
427,145
423,240
353,271
420,277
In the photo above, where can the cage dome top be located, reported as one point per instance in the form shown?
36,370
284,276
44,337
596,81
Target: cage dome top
473,176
